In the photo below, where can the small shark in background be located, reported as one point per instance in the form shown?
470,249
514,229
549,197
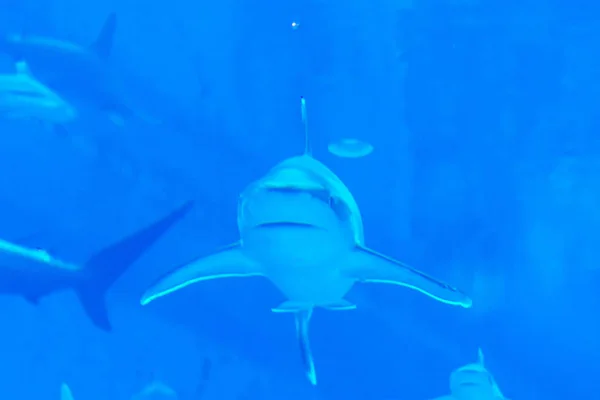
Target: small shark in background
24,97
33,273
65,392
473,382
80,74
301,228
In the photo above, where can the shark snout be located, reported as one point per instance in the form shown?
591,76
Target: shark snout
265,207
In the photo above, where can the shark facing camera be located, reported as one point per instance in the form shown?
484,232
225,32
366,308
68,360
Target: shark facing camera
301,228
473,382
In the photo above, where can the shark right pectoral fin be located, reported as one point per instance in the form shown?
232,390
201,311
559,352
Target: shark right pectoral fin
227,263
366,265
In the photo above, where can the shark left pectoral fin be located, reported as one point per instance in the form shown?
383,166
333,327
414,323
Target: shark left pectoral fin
366,265
227,263
65,392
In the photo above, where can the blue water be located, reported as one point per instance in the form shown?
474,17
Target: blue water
484,121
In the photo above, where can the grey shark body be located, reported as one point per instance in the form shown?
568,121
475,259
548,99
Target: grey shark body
301,228
473,382
33,273
80,74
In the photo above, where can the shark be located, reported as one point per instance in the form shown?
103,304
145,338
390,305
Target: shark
473,382
24,97
301,228
34,273
81,74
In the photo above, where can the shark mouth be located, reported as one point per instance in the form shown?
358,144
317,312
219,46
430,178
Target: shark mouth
286,224
321,194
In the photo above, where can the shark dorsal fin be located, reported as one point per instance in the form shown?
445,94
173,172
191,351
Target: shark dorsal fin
22,68
104,42
480,359
65,392
307,146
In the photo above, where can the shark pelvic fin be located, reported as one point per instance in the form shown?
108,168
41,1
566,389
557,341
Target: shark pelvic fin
104,42
302,321
342,305
230,262
104,268
291,306
366,265
65,392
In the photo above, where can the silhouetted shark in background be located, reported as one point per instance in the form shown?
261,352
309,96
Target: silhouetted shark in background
81,74
34,273
301,228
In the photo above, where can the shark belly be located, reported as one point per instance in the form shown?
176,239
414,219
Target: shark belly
303,261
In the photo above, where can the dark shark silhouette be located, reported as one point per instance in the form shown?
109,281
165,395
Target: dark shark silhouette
80,74
33,273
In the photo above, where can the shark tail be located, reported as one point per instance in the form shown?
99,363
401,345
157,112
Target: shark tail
104,268
302,321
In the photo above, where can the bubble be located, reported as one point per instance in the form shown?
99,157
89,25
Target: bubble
295,25
350,148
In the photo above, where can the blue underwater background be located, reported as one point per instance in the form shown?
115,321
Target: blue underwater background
485,173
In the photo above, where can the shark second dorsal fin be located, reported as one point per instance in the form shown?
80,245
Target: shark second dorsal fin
65,392
104,42
307,146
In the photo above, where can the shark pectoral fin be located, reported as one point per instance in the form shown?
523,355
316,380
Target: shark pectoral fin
302,321
227,263
65,392
366,265
342,305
